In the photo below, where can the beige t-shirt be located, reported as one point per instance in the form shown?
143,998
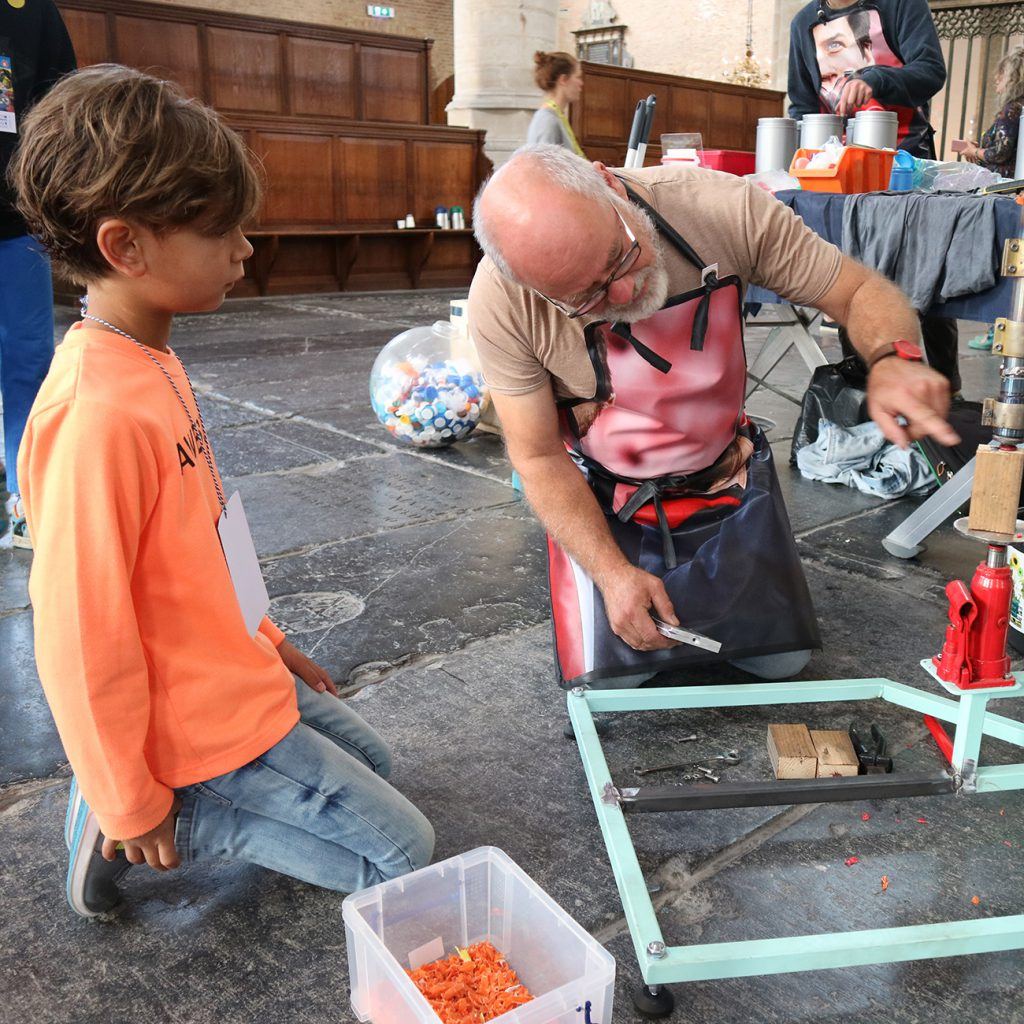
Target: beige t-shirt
523,340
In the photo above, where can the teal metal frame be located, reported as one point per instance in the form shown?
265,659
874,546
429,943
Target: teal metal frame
661,965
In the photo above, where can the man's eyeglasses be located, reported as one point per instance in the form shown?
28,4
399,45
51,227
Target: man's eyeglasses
595,297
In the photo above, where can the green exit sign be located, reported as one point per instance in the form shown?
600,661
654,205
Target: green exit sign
380,11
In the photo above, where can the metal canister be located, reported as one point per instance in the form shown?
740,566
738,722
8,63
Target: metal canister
776,143
817,129
876,128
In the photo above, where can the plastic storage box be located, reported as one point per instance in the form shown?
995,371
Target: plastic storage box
857,170
734,161
478,896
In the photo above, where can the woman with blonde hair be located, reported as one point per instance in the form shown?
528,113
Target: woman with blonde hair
559,76
998,148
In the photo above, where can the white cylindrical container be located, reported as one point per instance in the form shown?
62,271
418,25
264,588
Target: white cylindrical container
776,144
817,129
877,129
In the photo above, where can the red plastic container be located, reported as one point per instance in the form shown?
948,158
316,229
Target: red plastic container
733,161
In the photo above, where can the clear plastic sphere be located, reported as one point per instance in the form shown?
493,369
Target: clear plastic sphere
426,386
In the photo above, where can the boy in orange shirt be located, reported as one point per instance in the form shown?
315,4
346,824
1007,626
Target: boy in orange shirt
178,709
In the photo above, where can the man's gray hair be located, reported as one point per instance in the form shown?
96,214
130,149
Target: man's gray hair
572,172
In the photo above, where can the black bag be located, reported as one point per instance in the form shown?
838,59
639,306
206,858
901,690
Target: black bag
965,419
837,394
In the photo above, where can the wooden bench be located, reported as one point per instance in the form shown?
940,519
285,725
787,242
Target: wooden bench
265,243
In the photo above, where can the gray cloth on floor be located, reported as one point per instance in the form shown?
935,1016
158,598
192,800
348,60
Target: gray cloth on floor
861,457
935,246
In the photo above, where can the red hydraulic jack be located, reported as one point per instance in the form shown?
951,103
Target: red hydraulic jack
974,656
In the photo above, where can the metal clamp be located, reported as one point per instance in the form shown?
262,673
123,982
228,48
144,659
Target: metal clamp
1013,258
1008,339
1002,414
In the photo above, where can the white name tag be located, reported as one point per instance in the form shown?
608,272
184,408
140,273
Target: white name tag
244,566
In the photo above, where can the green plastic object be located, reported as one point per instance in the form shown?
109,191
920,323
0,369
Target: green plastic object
968,710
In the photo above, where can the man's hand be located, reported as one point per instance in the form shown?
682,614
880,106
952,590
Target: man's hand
155,847
855,94
914,391
312,674
630,596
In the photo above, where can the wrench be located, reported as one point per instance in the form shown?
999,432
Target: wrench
726,760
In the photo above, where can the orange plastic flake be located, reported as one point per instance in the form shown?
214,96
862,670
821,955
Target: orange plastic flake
975,900
475,984
885,882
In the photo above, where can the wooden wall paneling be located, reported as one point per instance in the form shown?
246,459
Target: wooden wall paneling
451,261
688,111
640,90
304,264
245,70
372,181
393,84
728,122
613,156
89,36
382,263
757,108
300,178
322,78
604,108
283,77
167,49
443,175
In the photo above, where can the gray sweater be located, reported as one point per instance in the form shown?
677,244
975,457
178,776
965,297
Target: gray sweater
547,126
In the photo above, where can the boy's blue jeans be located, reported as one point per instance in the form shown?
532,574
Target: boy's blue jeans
315,806
26,338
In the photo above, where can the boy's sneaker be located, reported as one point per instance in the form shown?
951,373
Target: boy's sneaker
92,881
17,530
74,799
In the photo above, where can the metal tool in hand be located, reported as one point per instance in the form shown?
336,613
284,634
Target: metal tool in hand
687,636
726,760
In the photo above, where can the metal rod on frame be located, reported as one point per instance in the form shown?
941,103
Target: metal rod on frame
967,87
984,85
949,96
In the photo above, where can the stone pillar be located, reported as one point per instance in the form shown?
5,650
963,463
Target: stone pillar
494,45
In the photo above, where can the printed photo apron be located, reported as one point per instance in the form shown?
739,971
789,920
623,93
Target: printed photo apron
673,428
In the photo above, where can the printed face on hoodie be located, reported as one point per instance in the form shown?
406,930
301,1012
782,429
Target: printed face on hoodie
842,44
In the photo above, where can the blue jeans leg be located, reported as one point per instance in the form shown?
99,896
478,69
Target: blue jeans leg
26,338
315,806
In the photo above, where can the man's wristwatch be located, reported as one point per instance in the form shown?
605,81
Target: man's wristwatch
902,348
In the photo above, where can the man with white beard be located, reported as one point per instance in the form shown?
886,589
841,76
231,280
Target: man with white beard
607,314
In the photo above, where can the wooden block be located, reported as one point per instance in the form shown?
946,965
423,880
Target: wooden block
836,755
792,752
995,493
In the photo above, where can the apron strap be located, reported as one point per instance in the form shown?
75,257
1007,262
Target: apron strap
649,492
709,278
647,354
670,233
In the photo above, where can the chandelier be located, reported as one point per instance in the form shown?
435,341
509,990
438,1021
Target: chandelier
746,70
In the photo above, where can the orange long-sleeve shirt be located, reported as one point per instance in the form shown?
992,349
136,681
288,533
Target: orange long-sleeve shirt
152,678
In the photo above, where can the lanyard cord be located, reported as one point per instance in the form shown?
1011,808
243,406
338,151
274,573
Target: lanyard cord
170,380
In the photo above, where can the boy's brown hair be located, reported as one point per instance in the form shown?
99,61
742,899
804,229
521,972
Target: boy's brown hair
109,141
